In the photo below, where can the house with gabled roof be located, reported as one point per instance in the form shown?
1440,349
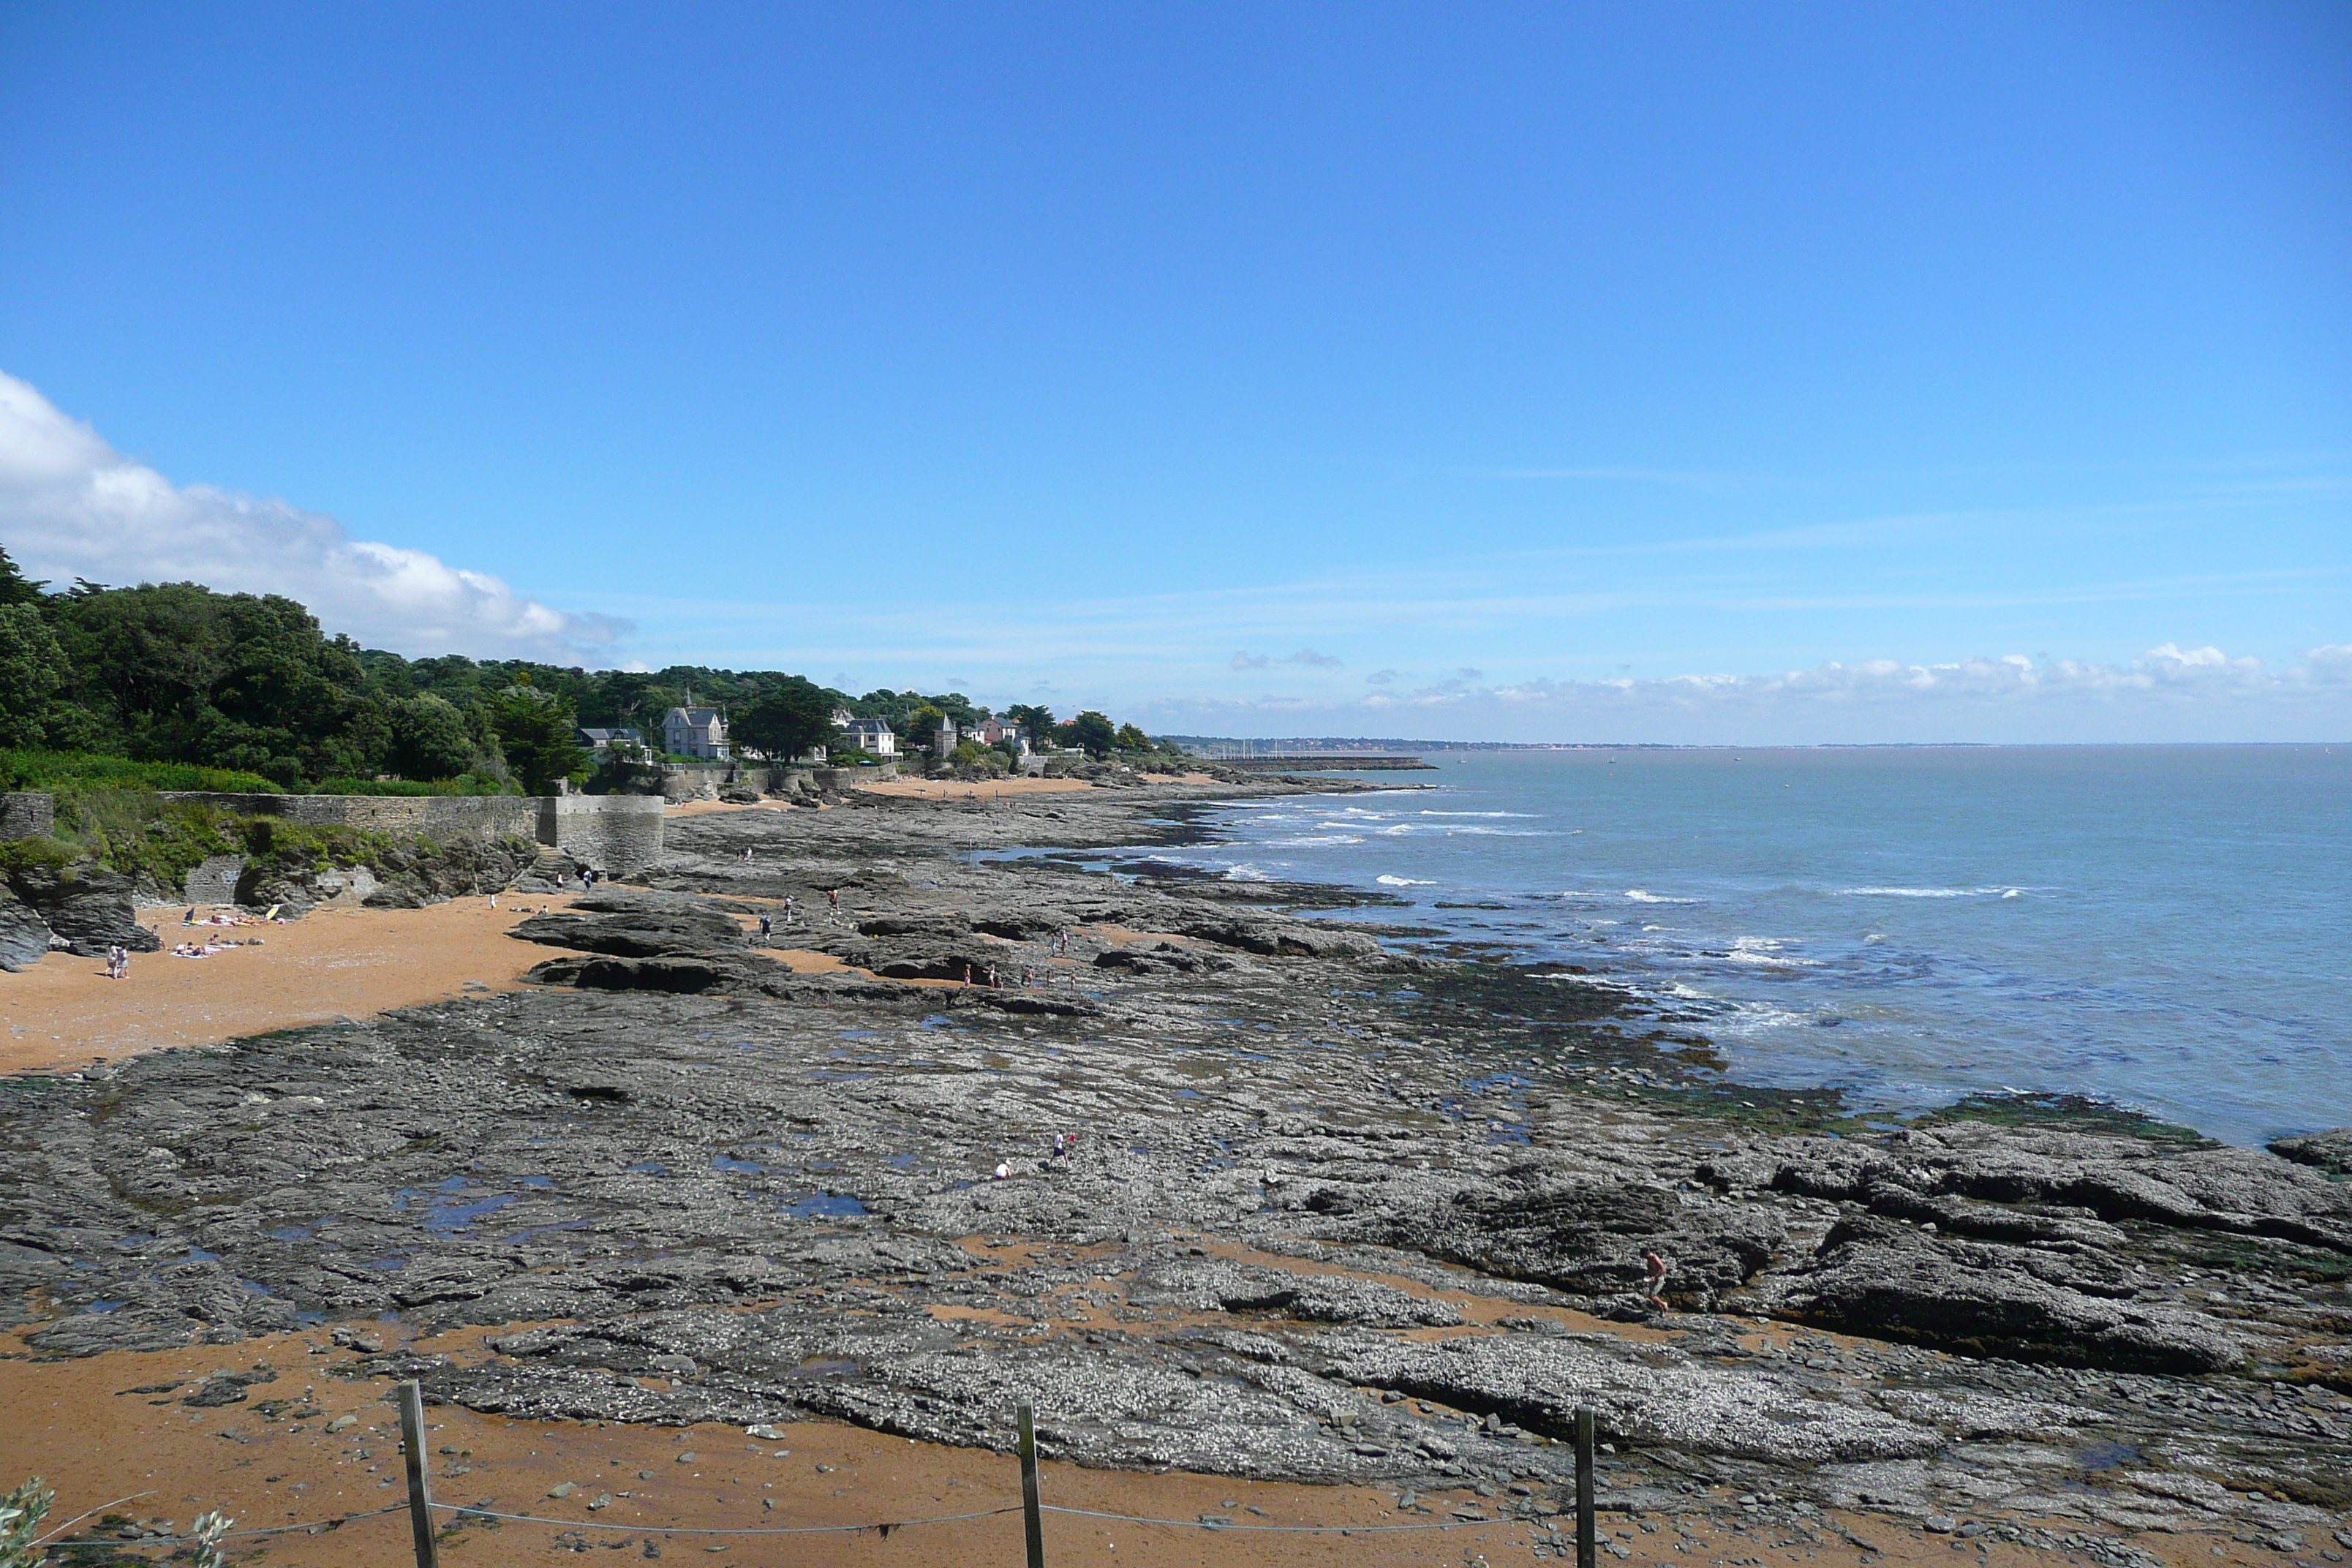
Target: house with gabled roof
873,736
694,732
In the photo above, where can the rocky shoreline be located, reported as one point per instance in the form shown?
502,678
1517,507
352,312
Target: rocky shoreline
1342,1207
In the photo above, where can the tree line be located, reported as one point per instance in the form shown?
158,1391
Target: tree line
176,673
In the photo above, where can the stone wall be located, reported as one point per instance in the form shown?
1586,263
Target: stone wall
215,881
406,815
613,833
28,815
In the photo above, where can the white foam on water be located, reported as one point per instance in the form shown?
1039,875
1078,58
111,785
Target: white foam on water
1403,882
1529,814
1930,892
1311,841
1643,895
1247,872
1765,951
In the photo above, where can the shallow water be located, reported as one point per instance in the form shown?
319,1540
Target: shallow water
2166,927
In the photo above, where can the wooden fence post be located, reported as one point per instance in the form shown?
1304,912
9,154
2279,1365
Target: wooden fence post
420,1492
1587,1546
1029,1515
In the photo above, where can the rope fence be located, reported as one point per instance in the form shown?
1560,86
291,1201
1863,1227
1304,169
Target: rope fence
421,1507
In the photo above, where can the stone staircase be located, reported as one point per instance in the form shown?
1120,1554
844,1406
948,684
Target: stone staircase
549,871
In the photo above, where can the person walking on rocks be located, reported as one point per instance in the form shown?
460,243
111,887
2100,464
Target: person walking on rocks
1658,1272
791,910
767,925
833,896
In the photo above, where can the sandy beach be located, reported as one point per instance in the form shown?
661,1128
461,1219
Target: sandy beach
334,964
102,1427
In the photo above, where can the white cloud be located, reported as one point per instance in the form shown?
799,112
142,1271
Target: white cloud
72,506
1244,659
1308,655
2169,693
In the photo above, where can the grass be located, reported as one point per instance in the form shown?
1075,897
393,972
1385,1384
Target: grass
468,784
82,771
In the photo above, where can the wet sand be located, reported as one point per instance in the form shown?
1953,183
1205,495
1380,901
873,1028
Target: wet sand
64,1014
84,1427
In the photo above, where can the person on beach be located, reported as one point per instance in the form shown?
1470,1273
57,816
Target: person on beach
1003,1171
767,925
118,962
967,974
747,857
833,896
1658,1271
791,910
1028,976
588,878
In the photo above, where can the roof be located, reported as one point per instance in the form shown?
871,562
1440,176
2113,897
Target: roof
698,717
869,726
595,734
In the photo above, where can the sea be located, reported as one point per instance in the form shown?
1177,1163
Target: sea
2167,929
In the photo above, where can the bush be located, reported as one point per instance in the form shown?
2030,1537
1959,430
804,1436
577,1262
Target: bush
38,770
468,783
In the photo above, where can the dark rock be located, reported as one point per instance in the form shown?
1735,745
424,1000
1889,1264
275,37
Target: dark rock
1160,958
2077,1175
635,932
87,905
679,972
2330,1151
930,925
1219,1285
1590,1235
1878,1277
23,934
1647,1394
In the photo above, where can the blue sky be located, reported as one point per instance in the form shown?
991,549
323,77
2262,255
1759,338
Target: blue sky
1662,373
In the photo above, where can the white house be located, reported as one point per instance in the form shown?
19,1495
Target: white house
694,732
996,733
872,736
601,742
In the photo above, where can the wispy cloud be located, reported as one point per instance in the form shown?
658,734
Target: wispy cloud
2167,693
72,506
1308,655
1244,659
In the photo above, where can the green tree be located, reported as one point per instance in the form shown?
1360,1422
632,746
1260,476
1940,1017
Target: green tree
1091,732
790,720
430,739
1038,721
535,729
33,669
1131,739
16,588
